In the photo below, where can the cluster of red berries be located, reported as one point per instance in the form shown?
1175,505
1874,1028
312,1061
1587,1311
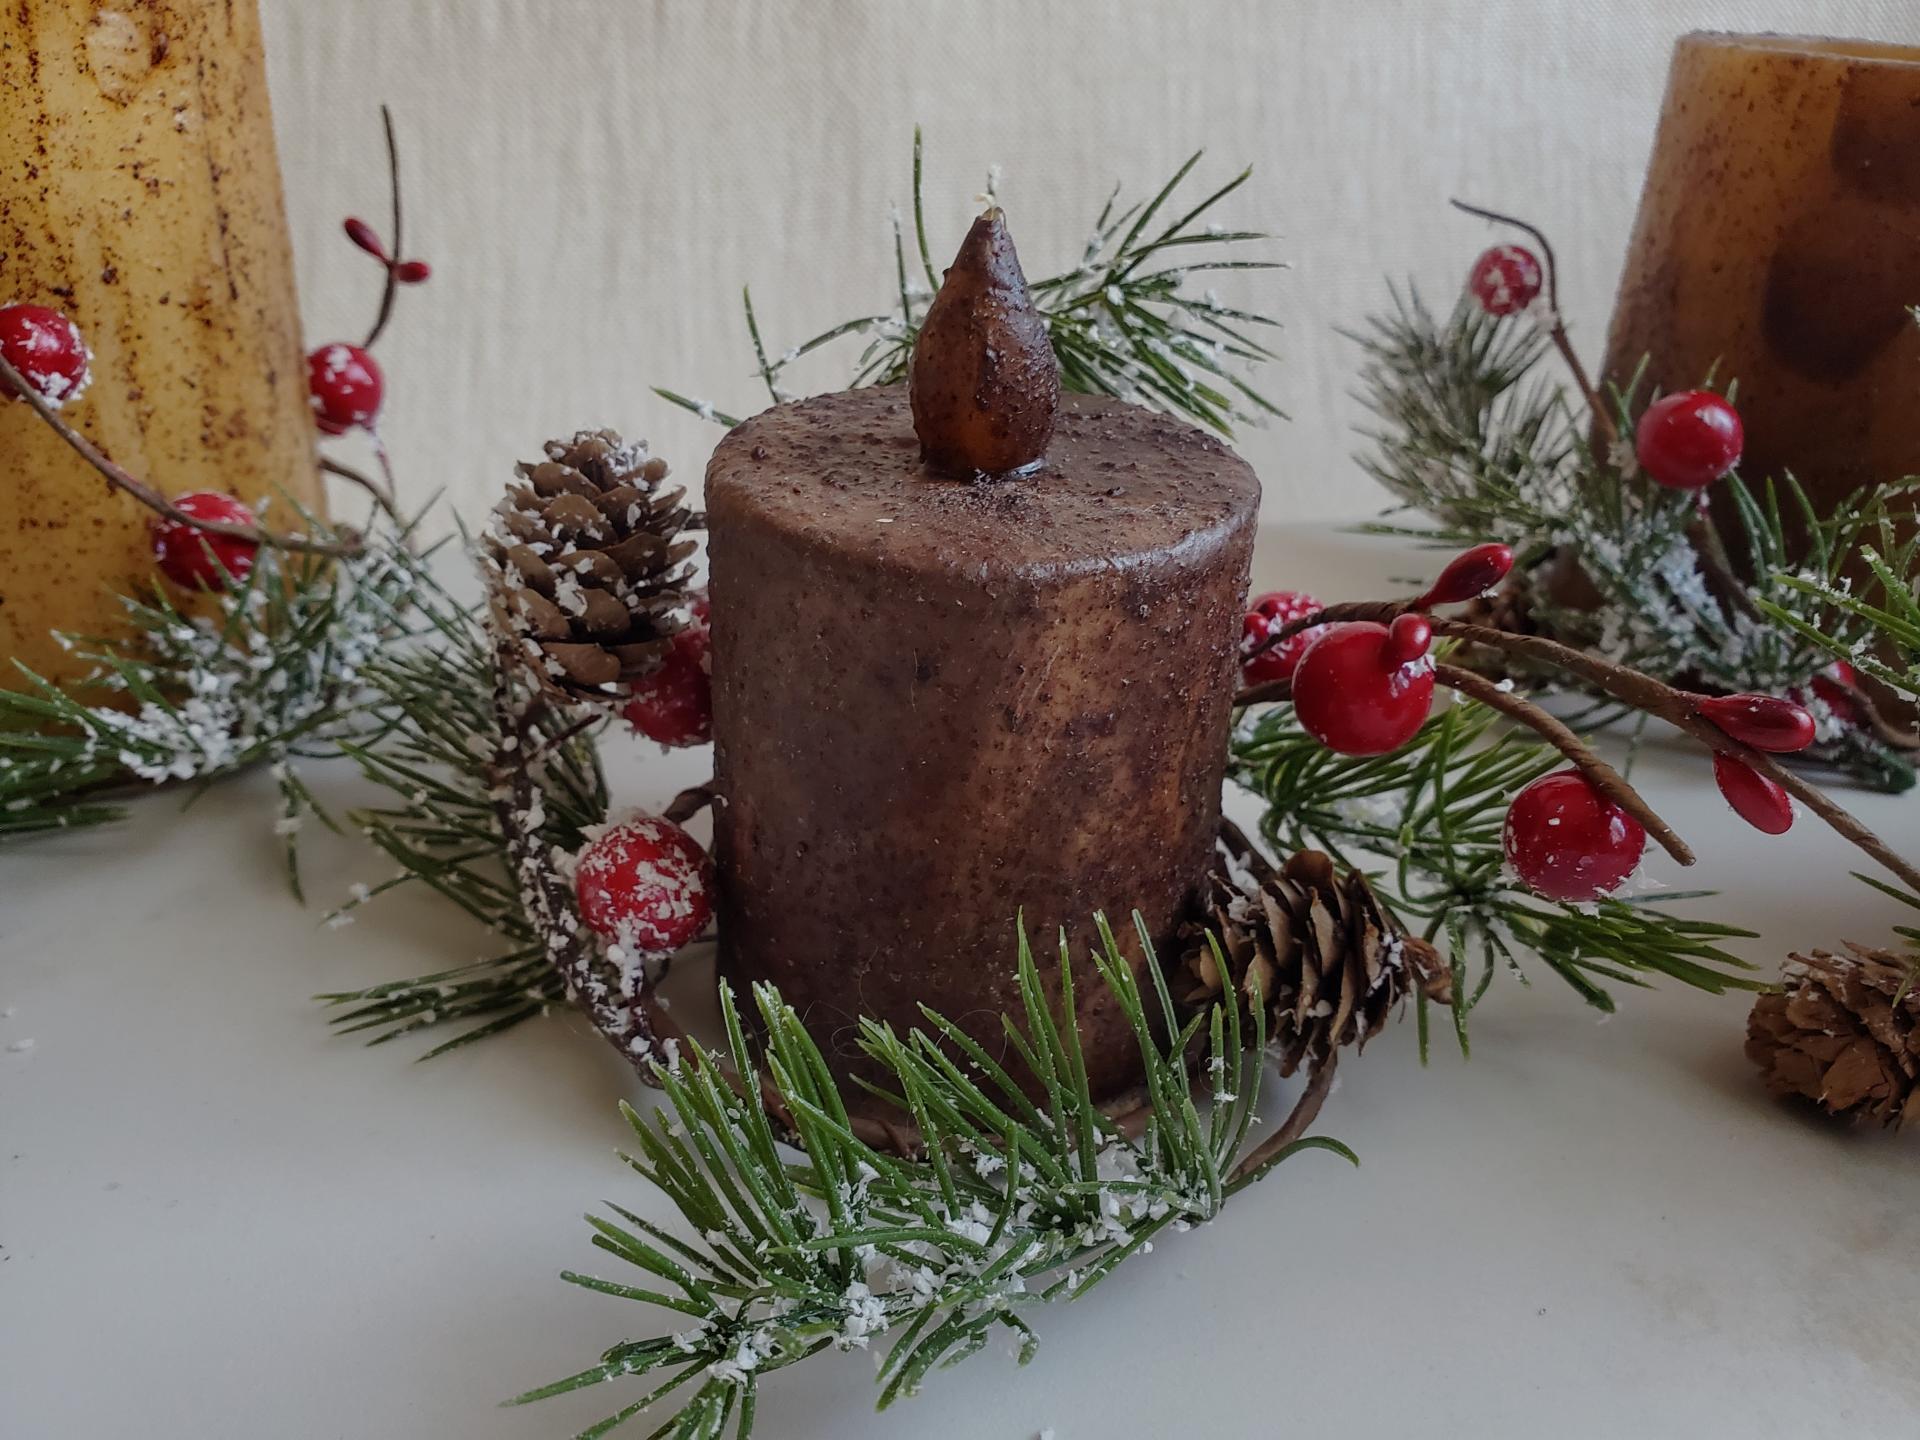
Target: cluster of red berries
645,885
1567,841
1363,688
1360,687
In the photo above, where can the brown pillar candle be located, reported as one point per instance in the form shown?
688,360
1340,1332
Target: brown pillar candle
1778,244
942,700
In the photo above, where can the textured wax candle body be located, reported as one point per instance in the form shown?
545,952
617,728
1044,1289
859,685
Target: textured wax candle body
140,194
1778,244
940,701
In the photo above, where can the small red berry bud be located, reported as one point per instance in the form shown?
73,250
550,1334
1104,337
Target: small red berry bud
1754,798
362,234
1408,638
412,272
1762,721
646,885
1689,440
1469,574
1505,280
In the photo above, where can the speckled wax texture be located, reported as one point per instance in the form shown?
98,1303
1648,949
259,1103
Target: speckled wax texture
140,194
1778,244
939,703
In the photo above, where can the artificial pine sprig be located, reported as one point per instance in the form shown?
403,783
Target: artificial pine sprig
1022,1195
434,748
1123,321
271,675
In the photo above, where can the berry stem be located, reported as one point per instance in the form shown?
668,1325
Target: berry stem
127,483
392,285
1557,330
689,803
382,494
1602,776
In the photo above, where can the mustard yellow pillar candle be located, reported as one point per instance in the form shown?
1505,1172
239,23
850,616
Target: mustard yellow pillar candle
140,195
1778,244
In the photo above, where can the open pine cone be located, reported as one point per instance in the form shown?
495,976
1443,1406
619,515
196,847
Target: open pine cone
1835,1036
1318,946
590,571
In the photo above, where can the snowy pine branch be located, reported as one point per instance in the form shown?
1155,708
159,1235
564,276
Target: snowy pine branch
1025,1193
1123,322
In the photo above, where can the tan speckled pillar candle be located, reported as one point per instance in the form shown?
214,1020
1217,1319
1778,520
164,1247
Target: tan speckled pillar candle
1778,243
140,194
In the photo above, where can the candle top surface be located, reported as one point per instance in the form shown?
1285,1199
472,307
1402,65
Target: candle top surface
844,473
1812,47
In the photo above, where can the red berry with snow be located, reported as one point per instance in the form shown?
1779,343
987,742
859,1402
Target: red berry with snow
1506,279
1469,574
1272,613
1689,440
1754,798
1568,842
46,348
195,559
345,387
645,885
1762,721
674,705
1362,689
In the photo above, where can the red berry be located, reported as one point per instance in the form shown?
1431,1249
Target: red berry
46,348
1469,574
345,387
1689,440
1754,798
1834,687
1408,638
1762,721
646,885
412,272
1271,613
362,234
1569,842
674,705
196,559
1358,692
1505,279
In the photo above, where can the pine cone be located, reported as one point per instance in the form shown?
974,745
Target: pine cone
1835,1036
1330,962
589,569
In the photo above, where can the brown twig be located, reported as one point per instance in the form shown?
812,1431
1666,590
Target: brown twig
393,261
1557,330
1602,776
1305,1111
127,483
1267,692
383,495
689,803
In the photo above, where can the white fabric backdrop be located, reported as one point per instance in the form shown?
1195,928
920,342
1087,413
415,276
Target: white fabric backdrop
595,179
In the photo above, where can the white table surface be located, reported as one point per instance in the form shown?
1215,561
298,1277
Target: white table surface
216,1219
